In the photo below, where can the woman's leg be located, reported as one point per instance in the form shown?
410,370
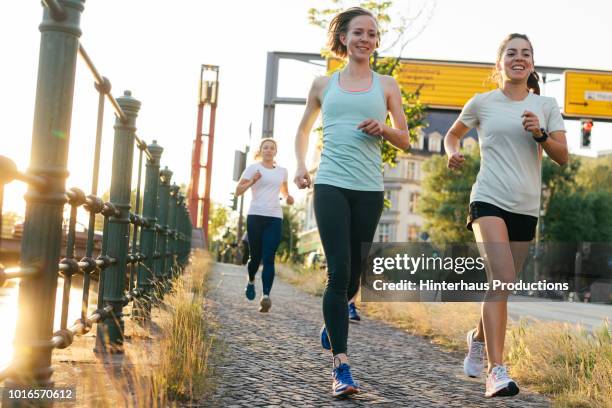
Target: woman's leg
366,208
332,213
492,238
254,231
271,239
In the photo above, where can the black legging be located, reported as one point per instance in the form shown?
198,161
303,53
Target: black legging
264,237
346,219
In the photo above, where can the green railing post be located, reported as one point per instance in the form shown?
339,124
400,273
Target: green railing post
172,207
183,234
118,226
42,234
163,195
147,234
179,233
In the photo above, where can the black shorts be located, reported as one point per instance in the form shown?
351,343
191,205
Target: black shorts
521,227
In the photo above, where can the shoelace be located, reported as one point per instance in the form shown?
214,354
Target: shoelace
477,350
500,373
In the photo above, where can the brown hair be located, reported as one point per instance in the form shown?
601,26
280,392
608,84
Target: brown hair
257,155
340,24
533,80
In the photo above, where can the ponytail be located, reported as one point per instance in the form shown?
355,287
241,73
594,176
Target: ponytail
533,83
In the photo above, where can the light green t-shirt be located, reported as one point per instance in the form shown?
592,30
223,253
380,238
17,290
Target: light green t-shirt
509,175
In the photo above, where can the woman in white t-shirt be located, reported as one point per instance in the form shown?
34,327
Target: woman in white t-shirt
514,124
265,216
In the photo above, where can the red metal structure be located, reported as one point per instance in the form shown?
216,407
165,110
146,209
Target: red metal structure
207,97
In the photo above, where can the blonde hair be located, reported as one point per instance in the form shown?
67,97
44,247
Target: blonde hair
257,155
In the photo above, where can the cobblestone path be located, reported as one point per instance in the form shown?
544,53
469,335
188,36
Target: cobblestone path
275,359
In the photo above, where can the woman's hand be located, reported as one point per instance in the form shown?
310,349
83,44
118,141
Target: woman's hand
256,177
455,161
531,123
289,200
302,178
371,127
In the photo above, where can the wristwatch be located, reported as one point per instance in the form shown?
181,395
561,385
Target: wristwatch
542,138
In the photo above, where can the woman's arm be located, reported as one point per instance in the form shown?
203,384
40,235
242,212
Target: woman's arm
452,142
556,144
284,190
556,147
313,106
397,134
244,184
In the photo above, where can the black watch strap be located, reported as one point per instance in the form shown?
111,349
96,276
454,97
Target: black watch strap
542,138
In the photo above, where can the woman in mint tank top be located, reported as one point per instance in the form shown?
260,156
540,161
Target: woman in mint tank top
514,125
348,190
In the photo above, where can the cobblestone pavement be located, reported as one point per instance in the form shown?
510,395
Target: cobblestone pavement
275,359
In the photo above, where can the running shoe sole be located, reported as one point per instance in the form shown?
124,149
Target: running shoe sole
350,390
510,390
265,304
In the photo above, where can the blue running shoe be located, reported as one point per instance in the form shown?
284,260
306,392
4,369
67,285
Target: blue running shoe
353,315
325,343
250,291
343,383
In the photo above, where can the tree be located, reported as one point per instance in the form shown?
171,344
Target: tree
219,218
413,109
446,196
288,247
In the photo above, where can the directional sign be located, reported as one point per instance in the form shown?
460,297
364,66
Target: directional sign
443,85
588,94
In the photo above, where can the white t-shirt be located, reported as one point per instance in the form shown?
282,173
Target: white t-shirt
266,190
509,175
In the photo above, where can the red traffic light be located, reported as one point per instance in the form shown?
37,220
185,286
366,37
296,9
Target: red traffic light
587,125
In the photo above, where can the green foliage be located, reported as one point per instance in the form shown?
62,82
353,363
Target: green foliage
288,247
445,198
575,216
219,217
596,174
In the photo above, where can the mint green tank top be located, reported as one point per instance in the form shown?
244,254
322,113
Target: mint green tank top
350,158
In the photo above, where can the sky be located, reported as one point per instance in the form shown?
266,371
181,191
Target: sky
155,50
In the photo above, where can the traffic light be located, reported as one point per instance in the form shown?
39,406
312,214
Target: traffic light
234,201
585,128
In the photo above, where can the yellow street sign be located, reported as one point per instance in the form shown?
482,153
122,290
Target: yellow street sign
588,94
442,85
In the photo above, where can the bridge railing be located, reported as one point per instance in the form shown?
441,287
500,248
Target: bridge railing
141,249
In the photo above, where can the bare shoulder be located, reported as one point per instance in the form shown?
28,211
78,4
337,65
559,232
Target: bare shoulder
388,82
320,82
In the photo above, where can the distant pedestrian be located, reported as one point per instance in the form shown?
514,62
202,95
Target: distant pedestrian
264,220
514,125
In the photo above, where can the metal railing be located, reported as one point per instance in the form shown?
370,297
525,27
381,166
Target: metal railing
159,228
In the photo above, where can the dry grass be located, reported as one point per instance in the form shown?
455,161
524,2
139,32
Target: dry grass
186,340
310,280
567,362
443,323
166,363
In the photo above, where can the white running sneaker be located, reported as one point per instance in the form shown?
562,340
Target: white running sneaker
265,304
499,383
474,362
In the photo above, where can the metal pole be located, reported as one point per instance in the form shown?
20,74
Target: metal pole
42,235
196,163
147,234
118,226
163,194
